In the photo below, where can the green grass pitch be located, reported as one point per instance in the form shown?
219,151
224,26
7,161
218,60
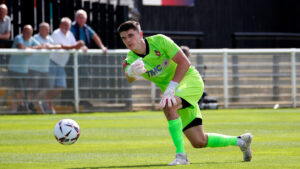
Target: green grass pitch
141,140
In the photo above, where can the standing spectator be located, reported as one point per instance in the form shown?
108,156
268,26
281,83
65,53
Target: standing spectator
5,24
83,32
39,66
5,27
65,38
18,67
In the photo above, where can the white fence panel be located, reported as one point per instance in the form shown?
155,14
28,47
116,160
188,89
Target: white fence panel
96,82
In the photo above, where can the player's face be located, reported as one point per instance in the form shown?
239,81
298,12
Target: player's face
131,39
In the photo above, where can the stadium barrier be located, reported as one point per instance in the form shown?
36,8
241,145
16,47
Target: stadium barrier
96,82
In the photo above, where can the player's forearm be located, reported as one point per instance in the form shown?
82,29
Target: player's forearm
183,65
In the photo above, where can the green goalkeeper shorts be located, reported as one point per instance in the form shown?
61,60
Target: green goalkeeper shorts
190,89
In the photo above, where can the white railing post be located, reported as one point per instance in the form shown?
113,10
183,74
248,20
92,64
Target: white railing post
225,62
153,95
76,84
294,77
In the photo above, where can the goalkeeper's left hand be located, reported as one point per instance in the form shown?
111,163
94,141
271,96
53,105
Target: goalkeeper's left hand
169,95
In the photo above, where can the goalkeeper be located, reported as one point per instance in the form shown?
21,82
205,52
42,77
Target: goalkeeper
158,59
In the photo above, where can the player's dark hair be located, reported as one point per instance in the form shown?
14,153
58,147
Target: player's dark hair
129,25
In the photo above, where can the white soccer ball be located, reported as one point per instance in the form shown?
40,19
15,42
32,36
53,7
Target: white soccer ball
66,131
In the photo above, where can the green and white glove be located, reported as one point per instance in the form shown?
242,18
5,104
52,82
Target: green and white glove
169,95
136,69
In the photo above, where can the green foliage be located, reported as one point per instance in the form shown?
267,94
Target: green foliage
141,140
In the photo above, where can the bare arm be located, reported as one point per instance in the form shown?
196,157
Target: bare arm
99,43
5,36
78,45
183,65
35,47
21,46
50,46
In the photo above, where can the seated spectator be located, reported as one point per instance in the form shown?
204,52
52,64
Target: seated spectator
65,38
39,67
18,68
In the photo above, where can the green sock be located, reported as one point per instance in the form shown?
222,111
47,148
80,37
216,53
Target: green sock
175,129
219,140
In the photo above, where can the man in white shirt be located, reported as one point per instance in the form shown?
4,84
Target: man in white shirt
65,38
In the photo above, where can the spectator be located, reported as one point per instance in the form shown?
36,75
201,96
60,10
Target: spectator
65,38
82,31
39,66
5,27
5,24
18,67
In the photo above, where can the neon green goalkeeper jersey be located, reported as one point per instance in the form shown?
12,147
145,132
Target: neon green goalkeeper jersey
158,61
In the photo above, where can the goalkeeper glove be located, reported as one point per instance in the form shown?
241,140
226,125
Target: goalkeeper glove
169,95
136,69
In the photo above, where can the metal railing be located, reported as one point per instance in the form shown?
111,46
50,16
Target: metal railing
227,65
235,77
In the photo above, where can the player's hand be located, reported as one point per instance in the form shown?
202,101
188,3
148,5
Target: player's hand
169,95
136,69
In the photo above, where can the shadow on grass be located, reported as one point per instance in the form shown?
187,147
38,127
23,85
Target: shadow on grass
151,165
124,166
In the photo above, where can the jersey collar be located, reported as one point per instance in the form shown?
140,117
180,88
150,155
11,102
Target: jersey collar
147,49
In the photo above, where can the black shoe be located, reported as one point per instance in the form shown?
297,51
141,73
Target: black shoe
85,103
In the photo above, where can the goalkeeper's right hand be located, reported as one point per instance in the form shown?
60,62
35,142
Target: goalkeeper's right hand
136,69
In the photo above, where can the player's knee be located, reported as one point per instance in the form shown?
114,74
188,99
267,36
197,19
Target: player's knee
201,143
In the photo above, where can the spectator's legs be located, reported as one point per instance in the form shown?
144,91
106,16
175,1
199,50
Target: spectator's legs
16,103
18,81
58,82
84,78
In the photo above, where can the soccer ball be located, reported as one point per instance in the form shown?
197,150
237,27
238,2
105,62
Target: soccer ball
66,131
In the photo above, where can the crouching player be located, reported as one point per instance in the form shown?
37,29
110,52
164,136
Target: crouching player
158,59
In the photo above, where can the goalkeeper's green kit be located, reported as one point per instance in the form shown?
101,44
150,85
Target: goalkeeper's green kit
161,69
